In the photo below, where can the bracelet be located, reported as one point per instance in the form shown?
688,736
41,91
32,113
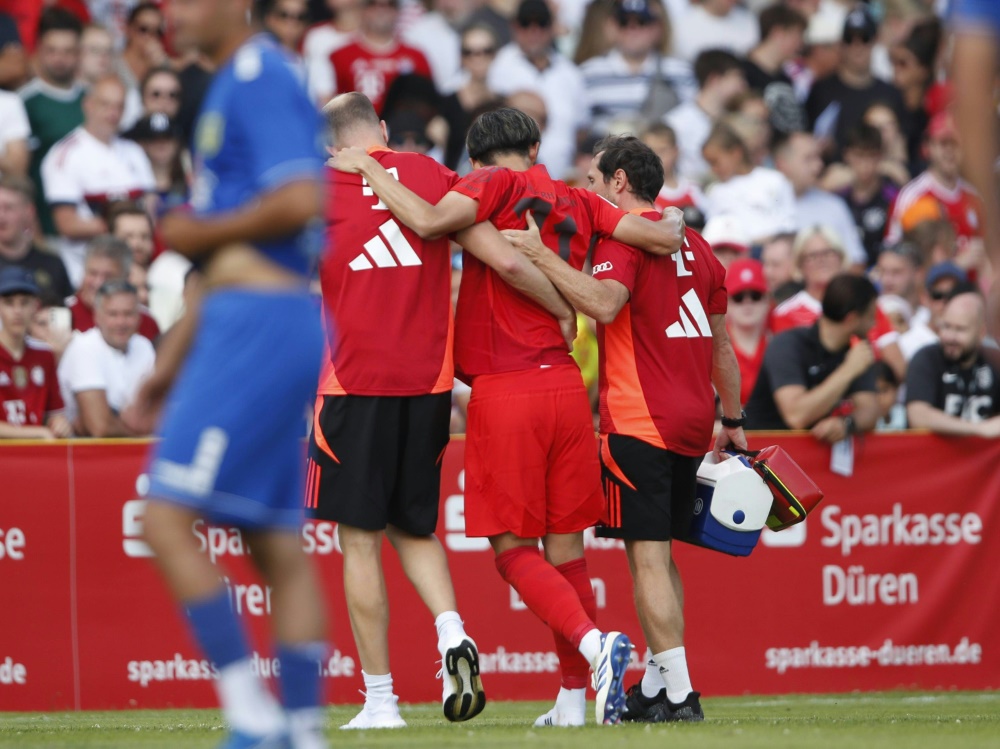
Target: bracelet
735,423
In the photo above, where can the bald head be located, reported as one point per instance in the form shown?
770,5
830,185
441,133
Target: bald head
963,325
353,121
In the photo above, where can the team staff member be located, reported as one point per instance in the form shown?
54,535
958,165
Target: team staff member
384,404
523,381
663,344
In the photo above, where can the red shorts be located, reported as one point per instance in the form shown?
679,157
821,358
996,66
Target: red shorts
531,458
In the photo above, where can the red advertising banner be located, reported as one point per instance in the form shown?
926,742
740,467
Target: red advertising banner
890,583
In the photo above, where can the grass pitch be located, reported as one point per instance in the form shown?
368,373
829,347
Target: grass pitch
906,720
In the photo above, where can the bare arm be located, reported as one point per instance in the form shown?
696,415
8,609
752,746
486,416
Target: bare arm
726,379
96,417
15,158
922,415
72,226
801,408
275,214
485,242
663,237
59,425
14,432
452,213
602,300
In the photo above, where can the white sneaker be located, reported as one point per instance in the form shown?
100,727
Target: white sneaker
380,714
555,718
306,729
462,695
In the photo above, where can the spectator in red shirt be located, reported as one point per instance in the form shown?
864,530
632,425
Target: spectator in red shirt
376,57
746,319
30,402
107,259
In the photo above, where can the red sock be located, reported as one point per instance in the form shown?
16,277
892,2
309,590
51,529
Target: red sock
573,665
546,593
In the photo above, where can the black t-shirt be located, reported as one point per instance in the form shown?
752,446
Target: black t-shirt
872,216
835,102
971,394
796,357
49,272
759,79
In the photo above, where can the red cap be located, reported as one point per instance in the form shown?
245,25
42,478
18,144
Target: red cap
942,127
745,274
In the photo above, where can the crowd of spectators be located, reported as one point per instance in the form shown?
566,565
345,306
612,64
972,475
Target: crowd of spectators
810,140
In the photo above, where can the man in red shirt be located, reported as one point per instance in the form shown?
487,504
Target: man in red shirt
30,403
663,344
746,319
376,57
384,402
523,382
107,259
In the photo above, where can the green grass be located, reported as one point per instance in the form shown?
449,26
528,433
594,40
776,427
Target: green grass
908,720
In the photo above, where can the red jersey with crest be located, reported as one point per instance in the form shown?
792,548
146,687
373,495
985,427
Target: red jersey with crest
360,68
498,329
29,388
387,291
656,357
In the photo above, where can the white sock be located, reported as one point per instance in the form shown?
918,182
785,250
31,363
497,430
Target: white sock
674,670
590,646
652,682
247,705
306,727
449,627
378,687
572,703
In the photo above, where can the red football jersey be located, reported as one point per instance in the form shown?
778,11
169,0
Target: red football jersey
498,329
656,357
749,365
83,319
357,67
29,388
387,291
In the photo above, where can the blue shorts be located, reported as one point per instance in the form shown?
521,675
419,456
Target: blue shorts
233,427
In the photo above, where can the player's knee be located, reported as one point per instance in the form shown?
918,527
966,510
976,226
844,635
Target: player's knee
359,541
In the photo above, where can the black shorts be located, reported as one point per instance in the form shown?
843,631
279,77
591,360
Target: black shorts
650,491
376,461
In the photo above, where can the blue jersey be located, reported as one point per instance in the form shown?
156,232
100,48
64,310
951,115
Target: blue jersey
257,131
976,16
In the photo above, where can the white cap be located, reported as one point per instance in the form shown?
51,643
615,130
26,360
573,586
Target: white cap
726,231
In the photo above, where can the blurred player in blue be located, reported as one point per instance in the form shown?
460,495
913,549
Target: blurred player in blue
246,363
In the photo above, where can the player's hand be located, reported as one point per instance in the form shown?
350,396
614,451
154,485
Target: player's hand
141,415
60,427
675,217
527,241
729,437
351,160
568,328
989,429
859,358
182,232
831,429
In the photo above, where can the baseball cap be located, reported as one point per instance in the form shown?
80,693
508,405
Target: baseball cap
942,127
945,270
725,231
17,280
745,274
533,12
154,127
859,23
638,9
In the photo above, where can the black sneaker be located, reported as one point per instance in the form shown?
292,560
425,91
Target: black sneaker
688,711
638,707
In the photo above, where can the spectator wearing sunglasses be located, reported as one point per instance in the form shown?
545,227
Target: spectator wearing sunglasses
287,21
942,280
161,92
746,319
143,52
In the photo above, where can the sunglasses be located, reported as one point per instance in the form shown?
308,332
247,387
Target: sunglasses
285,15
850,39
171,94
753,296
535,23
149,30
939,296
818,254
634,20
482,52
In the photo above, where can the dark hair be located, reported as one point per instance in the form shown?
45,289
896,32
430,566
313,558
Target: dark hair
642,167
714,62
906,250
142,8
848,293
885,373
864,137
724,136
780,16
924,41
501,131
159,70
58,19
349,110
964,287
928,234
127,209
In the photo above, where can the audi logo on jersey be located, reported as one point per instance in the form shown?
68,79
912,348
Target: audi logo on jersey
602,267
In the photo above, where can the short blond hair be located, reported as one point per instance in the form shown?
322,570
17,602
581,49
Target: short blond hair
826,233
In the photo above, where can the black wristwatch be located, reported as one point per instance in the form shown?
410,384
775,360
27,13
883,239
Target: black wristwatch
735,423
849,426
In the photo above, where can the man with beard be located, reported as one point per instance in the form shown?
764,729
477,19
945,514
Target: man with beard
951,388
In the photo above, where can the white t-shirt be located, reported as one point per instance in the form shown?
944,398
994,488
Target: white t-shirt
817,207
692,125
697,30
321,42
89,363
82,171
441,45
561,87
763,201
13,120
166,288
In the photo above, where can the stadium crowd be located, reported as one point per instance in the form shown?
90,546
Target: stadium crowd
808,140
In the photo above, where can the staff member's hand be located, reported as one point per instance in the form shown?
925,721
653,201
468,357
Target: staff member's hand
729,437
